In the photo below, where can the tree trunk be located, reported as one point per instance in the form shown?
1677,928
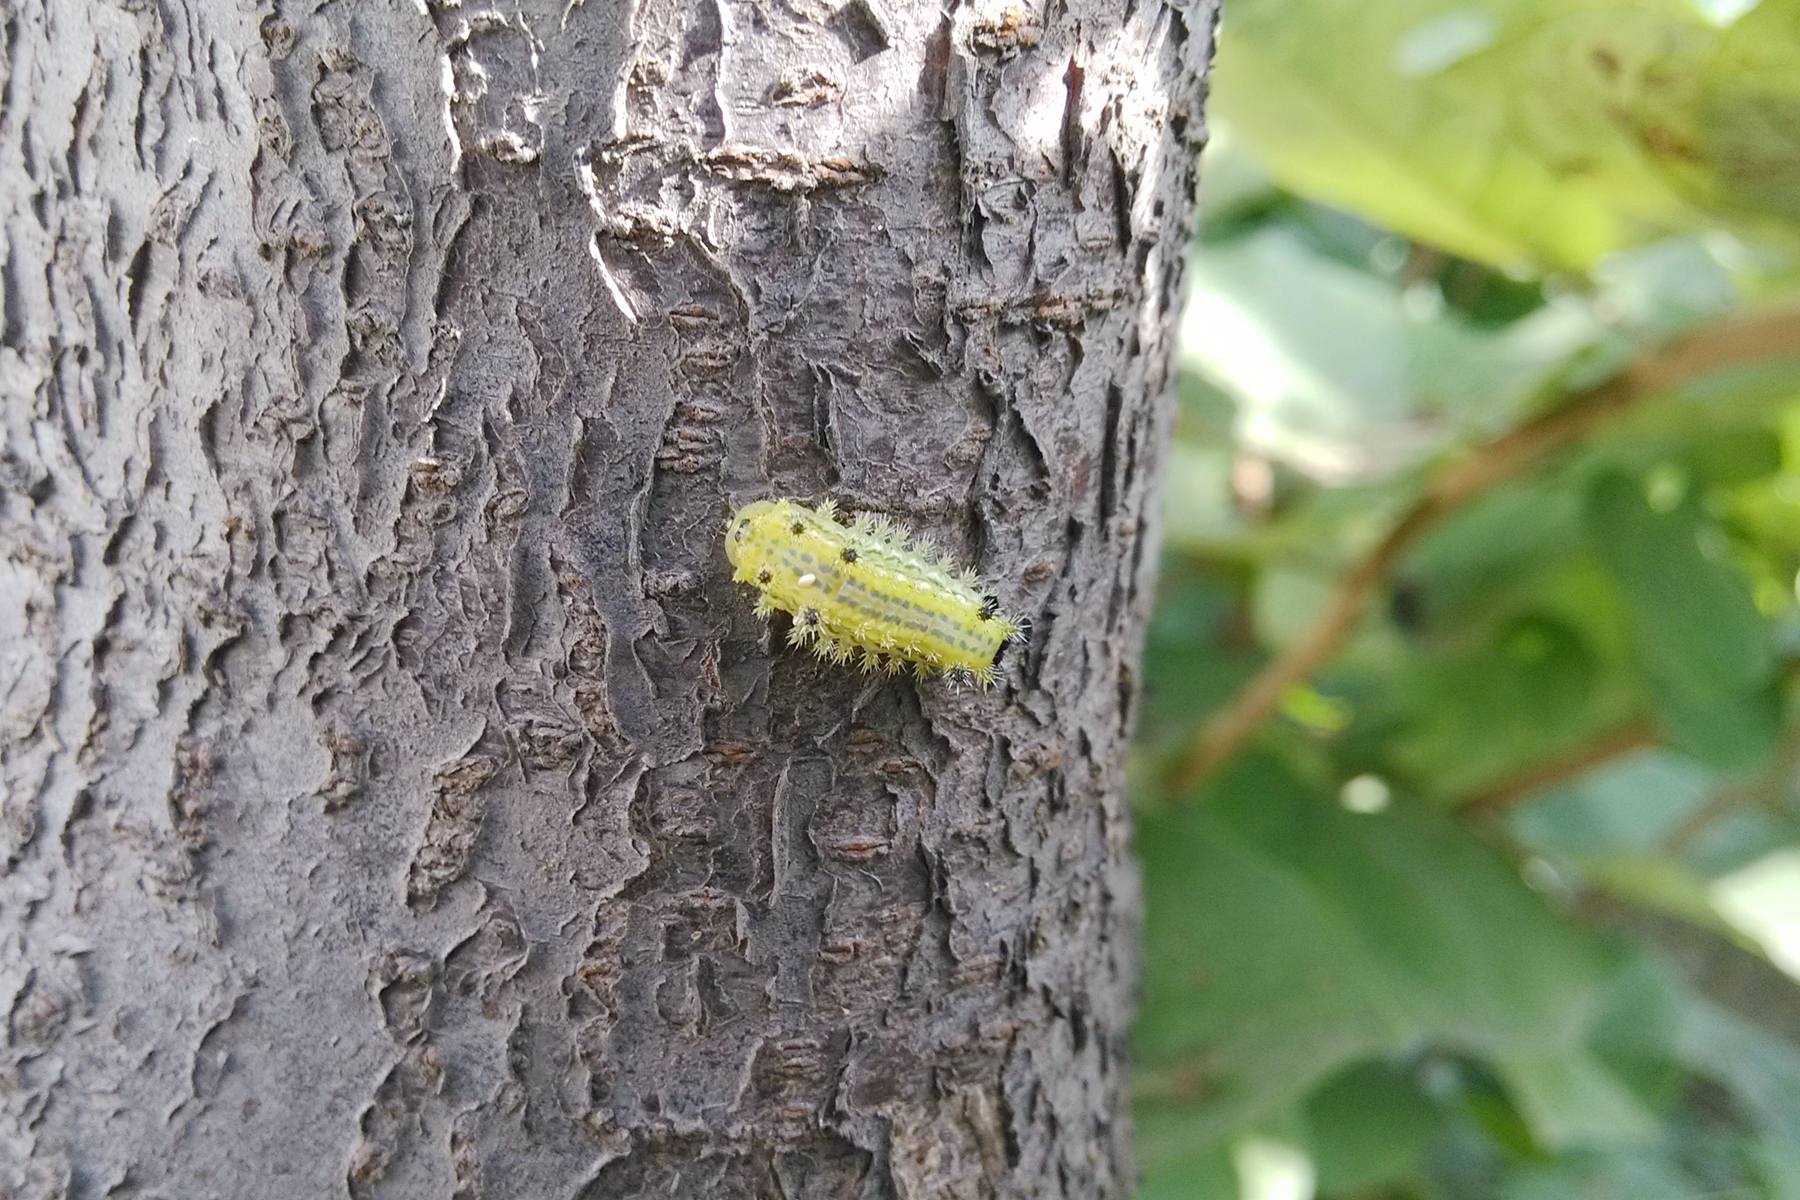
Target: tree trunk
399,799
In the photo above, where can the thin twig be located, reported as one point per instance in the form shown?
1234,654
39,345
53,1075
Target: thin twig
1508,790
1739,342
1767,787
1638,734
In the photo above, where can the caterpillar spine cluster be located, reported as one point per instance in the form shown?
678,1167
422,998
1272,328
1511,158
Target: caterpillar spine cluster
868,593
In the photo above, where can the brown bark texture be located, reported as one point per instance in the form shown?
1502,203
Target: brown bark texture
398,798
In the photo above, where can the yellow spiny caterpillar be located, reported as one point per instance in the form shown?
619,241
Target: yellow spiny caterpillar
866,591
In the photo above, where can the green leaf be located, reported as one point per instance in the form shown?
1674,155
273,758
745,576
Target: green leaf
1198,507
1369,1126
1628,807
1488,549
1667,286
1657,883
1338,376
1762,1073
1200,1173
1736,455
1706,651
1521,133
1519,657
1287,937
1727,729
1186,671
1571,1100
1750,112
1602,1177
1515,699
1638,1026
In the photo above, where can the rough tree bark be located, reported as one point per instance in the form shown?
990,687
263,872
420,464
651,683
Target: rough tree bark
398,798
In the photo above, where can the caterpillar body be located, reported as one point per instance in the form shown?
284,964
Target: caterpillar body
867,592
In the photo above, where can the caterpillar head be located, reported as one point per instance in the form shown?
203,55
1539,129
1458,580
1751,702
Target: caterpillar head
756,524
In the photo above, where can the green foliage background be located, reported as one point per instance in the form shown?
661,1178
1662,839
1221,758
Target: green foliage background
1506,901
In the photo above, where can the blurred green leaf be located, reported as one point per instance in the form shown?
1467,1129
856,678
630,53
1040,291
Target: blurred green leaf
1650,829
1572,1100
1529,195
1637,1029
1749,107
1630,807
1522,133
1640,1176
1736,455
1287,937
1368,1126
1732,729
1519,651
1530,691
1199,509
1762,1073
1706,650
1198,1173
1656,882
1491,550
1186,669
1666,287
1337,374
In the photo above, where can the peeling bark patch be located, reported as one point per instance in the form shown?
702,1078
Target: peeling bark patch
1007,29
805,87
483,963
40,1011
787,170
349,765
455,820
951,1149
193,776
403,988
392,1119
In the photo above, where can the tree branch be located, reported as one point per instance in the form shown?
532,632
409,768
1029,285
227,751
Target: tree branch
1638,734
1742,341
1510,789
